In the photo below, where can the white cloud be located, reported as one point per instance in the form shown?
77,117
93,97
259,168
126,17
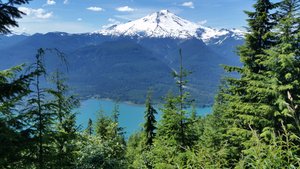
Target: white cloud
36,13
138,13
124,9
66,1
111,23
79,19
95,9
51,2
189,4
52,26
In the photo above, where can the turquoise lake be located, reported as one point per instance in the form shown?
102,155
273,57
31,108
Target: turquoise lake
131,115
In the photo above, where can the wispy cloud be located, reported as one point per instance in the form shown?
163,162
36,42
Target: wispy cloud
189,4
203,22
51,2
79,19
95,9
36,13
112,22
124,9
66,1
142,12
51,26
138,13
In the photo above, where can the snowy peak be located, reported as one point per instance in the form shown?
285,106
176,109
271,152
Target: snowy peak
159,24
164,24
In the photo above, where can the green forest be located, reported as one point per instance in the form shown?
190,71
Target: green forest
255,121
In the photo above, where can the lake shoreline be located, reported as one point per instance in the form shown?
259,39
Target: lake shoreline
131,115
129,102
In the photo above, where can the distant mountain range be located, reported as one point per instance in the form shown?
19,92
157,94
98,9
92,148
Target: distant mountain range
123,61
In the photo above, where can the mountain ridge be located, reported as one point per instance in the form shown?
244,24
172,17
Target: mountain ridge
165,24
124,67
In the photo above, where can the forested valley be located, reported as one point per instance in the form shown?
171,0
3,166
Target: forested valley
255,121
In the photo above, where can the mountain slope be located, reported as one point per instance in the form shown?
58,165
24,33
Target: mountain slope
160,24
119,70
124,61
165,24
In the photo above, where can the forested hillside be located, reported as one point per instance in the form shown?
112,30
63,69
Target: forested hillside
120,66
255,121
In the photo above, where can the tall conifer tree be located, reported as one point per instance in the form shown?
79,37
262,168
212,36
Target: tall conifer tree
284,64
89,128
40,118
66,130
14,88
150,121
246,100
174,134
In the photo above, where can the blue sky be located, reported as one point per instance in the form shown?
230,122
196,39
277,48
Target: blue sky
79,16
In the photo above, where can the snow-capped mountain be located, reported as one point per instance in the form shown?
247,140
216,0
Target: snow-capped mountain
165,24
122,62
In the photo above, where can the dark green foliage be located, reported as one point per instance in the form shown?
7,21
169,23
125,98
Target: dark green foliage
280,152
103,154
105,127
9,13
246,100
125,69
116,113
134,152
257,101
40,118
259,38
139,147
115,116
14,86
40,113
175,131
89,130
27,117
283,62
105,149
255,121
66,135
169,126
150,121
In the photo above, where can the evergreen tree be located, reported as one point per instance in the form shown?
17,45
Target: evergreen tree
89,128
150,121
259,38
174,134
167,140
40,118
182,102
9,13
116,113
283,63
66,131
14,88
246,100
135,155
105,149
105,127
115,116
